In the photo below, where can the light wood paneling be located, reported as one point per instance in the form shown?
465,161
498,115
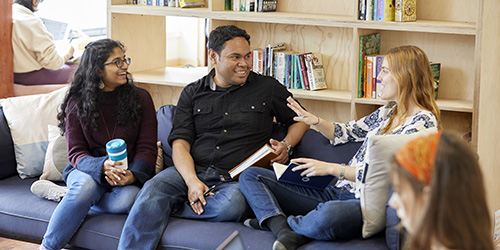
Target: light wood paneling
488,132
150,50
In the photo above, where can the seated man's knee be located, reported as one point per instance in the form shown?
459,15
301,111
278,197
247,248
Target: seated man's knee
231,206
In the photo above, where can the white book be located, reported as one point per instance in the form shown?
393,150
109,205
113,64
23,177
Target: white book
261,158
236,5
315,71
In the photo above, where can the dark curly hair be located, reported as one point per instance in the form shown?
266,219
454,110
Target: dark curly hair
26,3
85,89
221,34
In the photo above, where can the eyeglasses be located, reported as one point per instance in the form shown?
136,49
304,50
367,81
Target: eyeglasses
119,63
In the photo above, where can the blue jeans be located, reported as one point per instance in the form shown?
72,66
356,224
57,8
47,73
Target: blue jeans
165,195
84,194
324,215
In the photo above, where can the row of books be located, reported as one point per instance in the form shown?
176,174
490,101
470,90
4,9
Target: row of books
370,65
251,5
294,70
388,10
169,3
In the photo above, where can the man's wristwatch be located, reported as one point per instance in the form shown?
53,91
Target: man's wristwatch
288,147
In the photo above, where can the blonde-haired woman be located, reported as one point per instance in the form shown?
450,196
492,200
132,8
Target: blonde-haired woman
431,176
335,213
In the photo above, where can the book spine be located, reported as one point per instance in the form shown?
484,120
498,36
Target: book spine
236,5
293,72
398,10
405,11
269,5
369,76
369,10
282,67
249,5
436,72
255,61
308,64
378,68
303,72
287,70
228,5
243,4
389,10
362,10
380,10
360,68
317,80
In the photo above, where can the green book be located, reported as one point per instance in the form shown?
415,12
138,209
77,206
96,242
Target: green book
436,72
368,45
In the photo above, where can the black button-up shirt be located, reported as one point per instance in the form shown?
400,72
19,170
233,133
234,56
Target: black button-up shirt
226,125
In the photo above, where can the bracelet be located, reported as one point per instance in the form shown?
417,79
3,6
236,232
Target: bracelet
289,147
342,170
319,119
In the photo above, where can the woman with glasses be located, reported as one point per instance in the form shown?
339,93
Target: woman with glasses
102,104
36,59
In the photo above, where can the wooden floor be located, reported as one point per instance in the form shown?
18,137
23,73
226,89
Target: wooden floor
10,244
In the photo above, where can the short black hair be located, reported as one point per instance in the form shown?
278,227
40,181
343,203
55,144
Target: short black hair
221,34
26,3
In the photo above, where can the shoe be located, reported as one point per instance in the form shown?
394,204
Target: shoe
48,190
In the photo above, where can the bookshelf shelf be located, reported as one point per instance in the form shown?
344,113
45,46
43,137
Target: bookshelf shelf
170,76
443,104
323,95
159,11
286,18
426,26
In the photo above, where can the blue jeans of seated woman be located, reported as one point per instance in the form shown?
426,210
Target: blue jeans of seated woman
165,195
84,193
324,215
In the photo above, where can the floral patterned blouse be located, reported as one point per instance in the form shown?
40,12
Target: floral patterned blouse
366,127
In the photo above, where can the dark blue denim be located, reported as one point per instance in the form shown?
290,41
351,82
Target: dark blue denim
84,193
165,195
324,215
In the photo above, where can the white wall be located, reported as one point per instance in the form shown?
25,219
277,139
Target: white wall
81,14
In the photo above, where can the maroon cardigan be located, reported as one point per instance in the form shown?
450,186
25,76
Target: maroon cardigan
87,149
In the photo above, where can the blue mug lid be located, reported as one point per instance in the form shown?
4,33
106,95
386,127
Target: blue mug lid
116,146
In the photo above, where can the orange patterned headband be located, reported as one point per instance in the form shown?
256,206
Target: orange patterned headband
419,156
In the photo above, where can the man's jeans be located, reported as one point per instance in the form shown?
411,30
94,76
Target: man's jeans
84,193
324,215
166,194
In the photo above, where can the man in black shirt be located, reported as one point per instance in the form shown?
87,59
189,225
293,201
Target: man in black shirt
220,120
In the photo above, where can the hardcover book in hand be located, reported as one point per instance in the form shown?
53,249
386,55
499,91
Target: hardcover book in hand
285,174
261,158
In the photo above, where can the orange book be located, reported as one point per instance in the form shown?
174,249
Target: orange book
261,158
369,77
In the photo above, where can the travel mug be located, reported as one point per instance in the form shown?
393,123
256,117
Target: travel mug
117,151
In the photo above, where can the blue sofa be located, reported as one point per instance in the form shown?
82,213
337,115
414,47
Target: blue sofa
25,216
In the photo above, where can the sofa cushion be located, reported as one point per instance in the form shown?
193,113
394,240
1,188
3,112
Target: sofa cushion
165,115
315,145
24,215
7,156
56,157
376,185
28,118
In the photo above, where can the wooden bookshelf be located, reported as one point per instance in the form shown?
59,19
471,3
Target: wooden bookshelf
460,34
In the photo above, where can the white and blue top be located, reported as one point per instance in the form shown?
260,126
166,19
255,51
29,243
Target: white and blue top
368,126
